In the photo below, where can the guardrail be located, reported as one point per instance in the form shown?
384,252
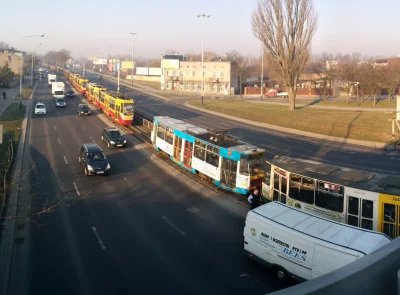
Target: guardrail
376,273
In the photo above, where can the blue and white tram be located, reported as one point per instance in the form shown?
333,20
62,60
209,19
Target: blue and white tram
231,164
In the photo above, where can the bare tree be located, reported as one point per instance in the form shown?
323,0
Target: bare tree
390,78
4,45
286,28
348,66
326,70
58,58
238,67
369,78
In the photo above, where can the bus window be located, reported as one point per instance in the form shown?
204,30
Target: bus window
329,196
257,163
301,189
244,165
128,109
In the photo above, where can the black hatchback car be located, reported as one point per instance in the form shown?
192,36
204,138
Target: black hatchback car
70,93
113,137
94,161
83,109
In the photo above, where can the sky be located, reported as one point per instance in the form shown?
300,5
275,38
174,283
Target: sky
99,27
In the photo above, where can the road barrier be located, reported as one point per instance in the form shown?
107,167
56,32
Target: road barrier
6,175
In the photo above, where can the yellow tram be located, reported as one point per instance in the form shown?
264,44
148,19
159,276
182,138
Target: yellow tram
117,107
358,198
93,92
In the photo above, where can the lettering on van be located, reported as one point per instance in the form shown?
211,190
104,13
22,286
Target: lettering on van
296,253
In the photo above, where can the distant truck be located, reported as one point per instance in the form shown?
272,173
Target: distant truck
51,78
302,246
58,89
42,74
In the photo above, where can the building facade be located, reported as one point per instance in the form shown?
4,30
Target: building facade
181,75
13,58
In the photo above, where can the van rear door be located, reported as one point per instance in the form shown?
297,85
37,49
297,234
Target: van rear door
327,260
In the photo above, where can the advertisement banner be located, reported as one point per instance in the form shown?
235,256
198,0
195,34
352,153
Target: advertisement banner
142,71
102,61
155,71
110,65
93,58
170,64
127,65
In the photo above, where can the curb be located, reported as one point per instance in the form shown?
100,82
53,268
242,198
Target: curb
293,131
6,267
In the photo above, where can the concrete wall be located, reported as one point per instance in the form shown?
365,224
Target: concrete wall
145,78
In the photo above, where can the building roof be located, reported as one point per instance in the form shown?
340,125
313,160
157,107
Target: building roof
10,50
391,61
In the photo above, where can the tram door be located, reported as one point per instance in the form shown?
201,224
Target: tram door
228,173
187,156
280,187
118,110
390,222
177,149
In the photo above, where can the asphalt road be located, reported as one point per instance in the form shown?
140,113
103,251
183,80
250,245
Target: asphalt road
145,240
275,142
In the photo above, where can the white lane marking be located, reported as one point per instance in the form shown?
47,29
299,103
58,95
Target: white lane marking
82,126
98,238
92,139
289,140
76,117
128,181
55,128
65,159
52,118
76,188
396,159
225,124
270,146
59,142
173,225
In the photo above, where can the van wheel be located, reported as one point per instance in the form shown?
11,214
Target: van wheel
282,274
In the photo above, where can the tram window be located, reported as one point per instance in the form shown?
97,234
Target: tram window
367,209
353,205
301,189
244,165
169,137
112,104
366,223
267,176
212,156
102,97
257,163
128,108
389,212
329,196
161,132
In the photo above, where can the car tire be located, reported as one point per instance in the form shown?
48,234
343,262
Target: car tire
281,274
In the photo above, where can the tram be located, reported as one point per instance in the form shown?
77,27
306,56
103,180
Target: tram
359,198
93,92
214,154
117,107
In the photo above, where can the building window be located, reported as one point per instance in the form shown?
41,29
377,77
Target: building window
214,75
189,73
214,87
222,75
174,74
194,87
222,88
204,74
187,86
194,74
181,73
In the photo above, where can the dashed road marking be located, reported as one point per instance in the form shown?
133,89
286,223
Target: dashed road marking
59,142
98,238
65,159
289,140
92,139
76,188
128,181
82,126
396,159
55,128
173,225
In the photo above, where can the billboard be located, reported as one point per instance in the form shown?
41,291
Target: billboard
93,58
155,71
127,65
102,61
170,64
142,71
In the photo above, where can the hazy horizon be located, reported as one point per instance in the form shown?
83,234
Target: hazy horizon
343,27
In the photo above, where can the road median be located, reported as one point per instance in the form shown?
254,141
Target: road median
370,129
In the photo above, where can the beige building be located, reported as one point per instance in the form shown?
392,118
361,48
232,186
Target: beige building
180,75
13,58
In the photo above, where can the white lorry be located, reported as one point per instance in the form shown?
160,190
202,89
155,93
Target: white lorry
302,246
51,78
58,89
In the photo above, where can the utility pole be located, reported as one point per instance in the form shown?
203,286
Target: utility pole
262,71
118,82
202,16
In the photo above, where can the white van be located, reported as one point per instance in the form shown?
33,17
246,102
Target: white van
57,89
303,246
51,78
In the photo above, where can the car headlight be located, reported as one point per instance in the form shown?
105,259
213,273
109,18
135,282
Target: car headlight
112,142
88,112
90,168
125,141
108,166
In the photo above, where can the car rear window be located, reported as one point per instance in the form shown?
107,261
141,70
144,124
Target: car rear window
40,106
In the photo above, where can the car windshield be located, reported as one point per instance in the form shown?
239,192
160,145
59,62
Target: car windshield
115,134
40,106
60,100
96,156
83,107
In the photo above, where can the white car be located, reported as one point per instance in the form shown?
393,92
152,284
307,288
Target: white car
282,94
40,109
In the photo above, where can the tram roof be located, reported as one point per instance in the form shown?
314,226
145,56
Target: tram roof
96,85
219,138
116,95
358,179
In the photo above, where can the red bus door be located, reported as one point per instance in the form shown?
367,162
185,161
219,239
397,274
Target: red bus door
187,159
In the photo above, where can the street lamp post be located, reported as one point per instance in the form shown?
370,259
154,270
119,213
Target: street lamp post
202,16
22,63
33,62
262,71
133,35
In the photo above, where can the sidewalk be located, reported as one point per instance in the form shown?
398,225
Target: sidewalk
11,93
